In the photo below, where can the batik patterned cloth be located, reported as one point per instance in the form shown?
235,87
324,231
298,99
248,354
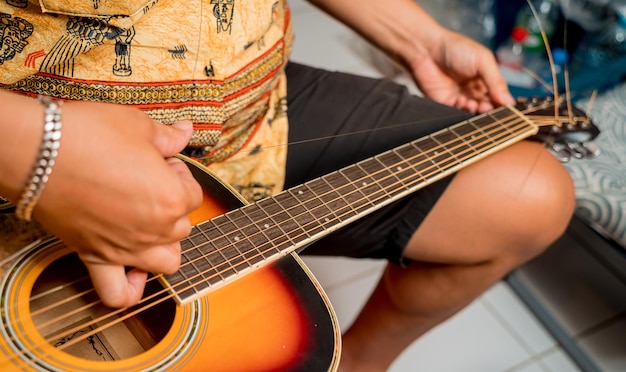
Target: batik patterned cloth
218,63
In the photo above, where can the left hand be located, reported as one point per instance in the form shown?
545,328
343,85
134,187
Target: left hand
462,73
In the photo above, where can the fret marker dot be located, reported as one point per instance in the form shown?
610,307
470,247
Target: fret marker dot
364,183
236,238
326,219
266,226
436,152
399,168
300,192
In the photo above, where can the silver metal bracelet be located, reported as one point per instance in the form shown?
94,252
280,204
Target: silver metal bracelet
45,160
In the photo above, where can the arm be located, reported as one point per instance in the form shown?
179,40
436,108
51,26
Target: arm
447,67
115,195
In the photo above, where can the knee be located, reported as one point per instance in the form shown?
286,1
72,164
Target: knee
544,203
508,207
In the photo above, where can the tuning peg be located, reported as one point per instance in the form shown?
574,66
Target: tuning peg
579,150
592,148
560,151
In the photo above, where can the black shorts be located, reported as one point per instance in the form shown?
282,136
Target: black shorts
337,119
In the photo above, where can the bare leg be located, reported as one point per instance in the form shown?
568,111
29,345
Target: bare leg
494,216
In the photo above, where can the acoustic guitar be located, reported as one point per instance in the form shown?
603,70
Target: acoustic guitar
242,299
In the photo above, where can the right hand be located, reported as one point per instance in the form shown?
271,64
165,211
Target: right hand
118,198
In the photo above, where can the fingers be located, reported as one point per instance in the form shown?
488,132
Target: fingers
118,288
171,139
191,187
115,287
497,87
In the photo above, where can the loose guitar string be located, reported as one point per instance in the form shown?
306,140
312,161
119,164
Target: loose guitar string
535,76
235,224
85,278
536,119
555,92
95,331
191,262
139,310
118,320
68,299
397,126
76,296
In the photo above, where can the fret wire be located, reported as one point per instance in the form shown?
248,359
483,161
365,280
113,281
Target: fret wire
268,245
355,175
432,153
388,180
491,141
408,152
245,231
224,225
502,127
501,141
283,198
478,124
332,199
380,159
317,210
210,248
322,205
282,237
374,168
280,218
370,185
348,190
444,138
453,130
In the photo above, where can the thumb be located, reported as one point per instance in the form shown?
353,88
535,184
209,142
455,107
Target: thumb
496,85
171,139
114,286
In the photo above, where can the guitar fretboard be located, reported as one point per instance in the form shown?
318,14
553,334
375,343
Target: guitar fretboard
230,245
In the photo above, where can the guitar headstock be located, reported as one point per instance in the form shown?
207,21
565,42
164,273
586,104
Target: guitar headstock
565,129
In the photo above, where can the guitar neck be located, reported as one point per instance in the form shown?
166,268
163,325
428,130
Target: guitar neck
228,246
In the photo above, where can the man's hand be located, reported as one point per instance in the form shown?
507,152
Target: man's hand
447,67
118,198
462,73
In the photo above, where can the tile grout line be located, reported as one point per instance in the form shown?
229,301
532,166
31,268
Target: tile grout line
533,356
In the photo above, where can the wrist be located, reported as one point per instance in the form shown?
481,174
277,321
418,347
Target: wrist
21,129
42,168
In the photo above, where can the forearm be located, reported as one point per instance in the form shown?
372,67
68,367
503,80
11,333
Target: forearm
401,28
21,128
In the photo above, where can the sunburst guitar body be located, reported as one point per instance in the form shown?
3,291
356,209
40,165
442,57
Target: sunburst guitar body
269,317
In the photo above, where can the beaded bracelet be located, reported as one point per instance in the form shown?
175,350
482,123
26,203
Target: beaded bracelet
45,160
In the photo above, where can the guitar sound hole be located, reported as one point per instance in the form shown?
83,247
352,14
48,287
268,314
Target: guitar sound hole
69,315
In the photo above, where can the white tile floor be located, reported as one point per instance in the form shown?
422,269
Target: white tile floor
496,332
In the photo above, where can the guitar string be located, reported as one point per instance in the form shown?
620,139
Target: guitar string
95,331
218,228
567,90
86,278
72,298
546,42
535,119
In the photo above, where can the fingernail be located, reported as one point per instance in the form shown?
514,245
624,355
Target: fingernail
183,125
173,160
